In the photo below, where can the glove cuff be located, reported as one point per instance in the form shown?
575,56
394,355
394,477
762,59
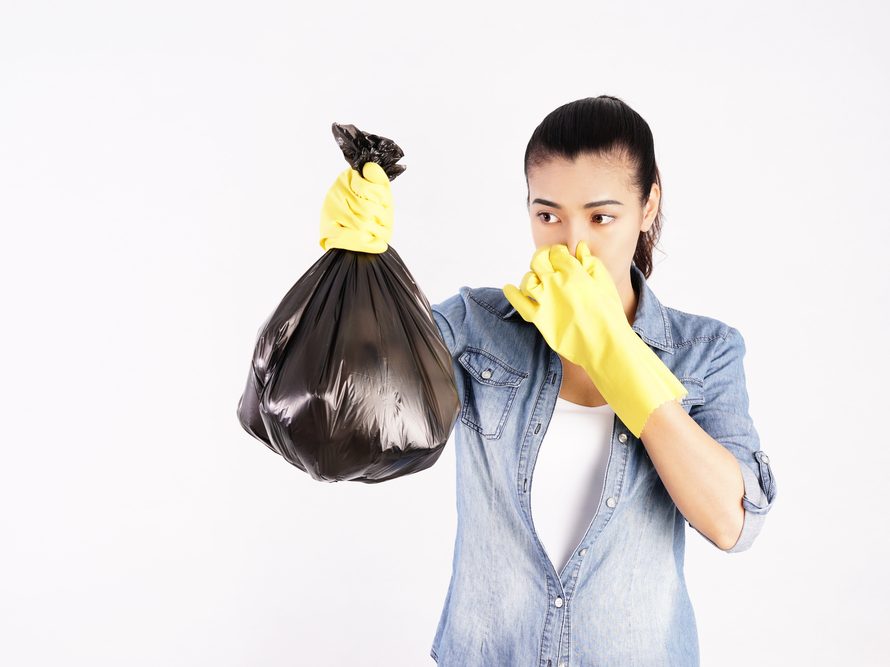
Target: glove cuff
633,380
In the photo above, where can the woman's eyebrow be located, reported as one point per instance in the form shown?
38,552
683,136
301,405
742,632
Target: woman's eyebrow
591,204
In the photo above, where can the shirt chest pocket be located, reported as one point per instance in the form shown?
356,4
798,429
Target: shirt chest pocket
490,386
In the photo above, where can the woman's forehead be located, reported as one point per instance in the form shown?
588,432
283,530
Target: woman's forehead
578,182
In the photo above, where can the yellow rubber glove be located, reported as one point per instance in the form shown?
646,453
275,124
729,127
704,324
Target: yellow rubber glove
357,213
575,305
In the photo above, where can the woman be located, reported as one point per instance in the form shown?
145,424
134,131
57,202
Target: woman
631,416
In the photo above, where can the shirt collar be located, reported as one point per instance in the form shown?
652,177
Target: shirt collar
651,320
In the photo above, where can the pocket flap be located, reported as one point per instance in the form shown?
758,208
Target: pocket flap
695,387
488,369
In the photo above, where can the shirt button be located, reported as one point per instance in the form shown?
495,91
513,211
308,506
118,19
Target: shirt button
583,551
558,602
764,458
486,373
611,502
622,438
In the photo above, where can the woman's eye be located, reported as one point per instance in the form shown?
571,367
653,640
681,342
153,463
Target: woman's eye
598,215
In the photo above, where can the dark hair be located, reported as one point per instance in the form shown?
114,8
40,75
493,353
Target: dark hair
604,126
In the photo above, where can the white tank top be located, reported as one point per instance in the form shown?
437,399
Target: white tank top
568,476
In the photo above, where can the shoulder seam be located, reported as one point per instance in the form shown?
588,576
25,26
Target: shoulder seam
484,304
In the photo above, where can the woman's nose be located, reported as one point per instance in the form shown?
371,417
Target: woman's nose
572,244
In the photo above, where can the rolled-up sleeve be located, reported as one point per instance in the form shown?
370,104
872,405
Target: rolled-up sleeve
724,415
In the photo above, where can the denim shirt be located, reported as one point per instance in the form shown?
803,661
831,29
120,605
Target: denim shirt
621,599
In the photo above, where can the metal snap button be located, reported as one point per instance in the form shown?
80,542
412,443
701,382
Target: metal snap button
558,602
622,438
611,502
764,458
486,373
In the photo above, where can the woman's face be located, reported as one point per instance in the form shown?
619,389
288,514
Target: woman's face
590,199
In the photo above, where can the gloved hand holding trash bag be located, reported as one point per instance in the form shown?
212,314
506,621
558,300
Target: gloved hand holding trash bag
350,378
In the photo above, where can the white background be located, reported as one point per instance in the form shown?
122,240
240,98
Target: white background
162,167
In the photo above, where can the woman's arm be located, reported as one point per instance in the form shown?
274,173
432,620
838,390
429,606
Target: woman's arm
703,478
710,460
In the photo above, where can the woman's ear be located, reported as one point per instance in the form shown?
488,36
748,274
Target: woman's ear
651,208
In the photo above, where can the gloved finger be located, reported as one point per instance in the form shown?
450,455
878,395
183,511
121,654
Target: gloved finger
591,263
370,200
562,260
595,268
335,212
374,186
341,208
374,173
369,215
523,305
531,286
540,263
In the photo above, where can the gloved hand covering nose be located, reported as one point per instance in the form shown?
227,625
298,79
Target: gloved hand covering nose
357,213
575,305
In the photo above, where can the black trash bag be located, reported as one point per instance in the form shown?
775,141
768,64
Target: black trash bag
350,379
